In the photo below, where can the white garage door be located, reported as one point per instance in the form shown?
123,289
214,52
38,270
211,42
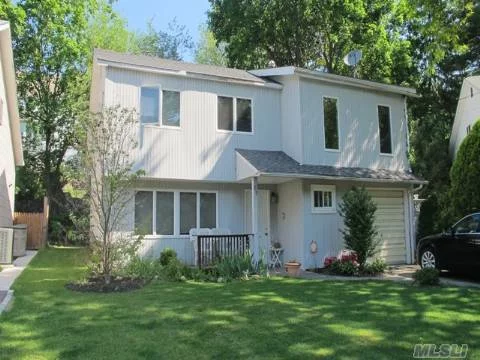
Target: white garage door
390,221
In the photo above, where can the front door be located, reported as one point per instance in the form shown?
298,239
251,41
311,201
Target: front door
263,212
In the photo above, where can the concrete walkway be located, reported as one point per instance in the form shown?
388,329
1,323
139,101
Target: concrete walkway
401,273
8,276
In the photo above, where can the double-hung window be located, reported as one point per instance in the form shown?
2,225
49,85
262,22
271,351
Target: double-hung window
234,114
330,123
384,129
166,212
150,109
323,198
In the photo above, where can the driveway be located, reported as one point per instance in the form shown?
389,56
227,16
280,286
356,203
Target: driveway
446,278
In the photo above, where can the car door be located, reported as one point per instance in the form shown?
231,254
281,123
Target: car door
463,248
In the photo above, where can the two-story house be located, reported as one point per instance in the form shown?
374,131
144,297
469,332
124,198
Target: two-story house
268,152
10,138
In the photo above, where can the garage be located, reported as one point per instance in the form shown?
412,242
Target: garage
390,222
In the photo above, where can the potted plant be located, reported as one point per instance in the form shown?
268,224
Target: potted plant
292,267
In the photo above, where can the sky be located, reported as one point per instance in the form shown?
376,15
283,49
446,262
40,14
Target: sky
191,13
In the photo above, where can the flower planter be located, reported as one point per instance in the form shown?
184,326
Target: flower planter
292,268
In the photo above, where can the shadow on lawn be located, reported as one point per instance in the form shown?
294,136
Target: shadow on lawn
278,318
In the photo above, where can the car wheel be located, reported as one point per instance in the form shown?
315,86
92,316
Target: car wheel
428,258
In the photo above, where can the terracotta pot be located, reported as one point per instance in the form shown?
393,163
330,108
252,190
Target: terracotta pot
292,268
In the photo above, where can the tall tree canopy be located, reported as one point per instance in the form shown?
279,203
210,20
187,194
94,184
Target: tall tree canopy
49,43
428,44
312,34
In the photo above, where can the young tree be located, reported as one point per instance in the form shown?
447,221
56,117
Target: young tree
170,44
465,173
108,140
209,51
360,233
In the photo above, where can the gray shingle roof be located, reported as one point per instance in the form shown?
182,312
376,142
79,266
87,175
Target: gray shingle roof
166,64
277,162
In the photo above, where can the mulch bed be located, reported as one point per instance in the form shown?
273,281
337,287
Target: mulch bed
98,284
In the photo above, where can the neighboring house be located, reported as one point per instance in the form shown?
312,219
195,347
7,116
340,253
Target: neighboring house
468,112
10,139
298,138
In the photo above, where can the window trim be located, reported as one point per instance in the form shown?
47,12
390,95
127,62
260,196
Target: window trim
390,128
234,131
159,123
338,125
323,188
176,211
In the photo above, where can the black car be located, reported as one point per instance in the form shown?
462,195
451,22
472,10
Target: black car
456,248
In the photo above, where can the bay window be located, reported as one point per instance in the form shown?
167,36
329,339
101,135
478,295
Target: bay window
173,213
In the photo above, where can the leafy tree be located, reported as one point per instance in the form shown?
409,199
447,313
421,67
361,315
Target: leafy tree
312,34
107,140
465,173
50,43
171,44
208,51
360,233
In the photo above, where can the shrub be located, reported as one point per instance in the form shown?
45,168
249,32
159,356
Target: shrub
360,234
377,266
175,270
464,174
167,255
239,266
426,276
140,268
344,267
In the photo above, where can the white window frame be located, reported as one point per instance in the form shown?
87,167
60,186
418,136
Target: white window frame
176,211
338,124
159,122
390,128
323,188
234,109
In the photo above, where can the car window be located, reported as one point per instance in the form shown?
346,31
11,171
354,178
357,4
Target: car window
470,224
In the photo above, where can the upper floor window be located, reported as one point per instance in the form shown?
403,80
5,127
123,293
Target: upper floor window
150,108
384,129
170,108
149,99
234,114
323,198
330,123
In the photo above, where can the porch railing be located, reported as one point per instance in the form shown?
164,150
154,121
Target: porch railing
213,247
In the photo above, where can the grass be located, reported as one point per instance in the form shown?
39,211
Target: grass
277,318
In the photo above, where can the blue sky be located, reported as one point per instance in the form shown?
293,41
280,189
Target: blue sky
190,13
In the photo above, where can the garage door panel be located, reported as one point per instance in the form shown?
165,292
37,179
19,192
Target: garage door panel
390,222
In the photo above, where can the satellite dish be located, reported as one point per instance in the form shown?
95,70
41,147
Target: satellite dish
353,57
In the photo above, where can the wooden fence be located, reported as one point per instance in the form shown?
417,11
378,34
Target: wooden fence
213,247
37,226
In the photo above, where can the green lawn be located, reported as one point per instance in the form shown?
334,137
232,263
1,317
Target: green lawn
277,318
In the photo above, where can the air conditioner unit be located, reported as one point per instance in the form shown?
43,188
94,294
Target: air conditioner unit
6,246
